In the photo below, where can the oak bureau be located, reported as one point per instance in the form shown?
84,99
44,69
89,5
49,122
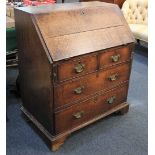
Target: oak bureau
74,65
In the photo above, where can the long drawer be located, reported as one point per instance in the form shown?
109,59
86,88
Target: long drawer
80,88
89,109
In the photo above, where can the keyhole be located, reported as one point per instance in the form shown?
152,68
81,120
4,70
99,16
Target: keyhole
83,12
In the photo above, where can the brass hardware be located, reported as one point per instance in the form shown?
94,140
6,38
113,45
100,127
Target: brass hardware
115,58
79,90
111,100
113,77
79,68
78,114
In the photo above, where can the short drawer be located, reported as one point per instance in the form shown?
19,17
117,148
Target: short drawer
115,55
82,112
77,67
80,88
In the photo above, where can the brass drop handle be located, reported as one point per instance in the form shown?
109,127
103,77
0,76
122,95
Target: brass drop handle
79,68
113,77
78,90
111,100
115,58
78,115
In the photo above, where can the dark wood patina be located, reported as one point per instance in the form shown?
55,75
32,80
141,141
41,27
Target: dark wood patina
74,64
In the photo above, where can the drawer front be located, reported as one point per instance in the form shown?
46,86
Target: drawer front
115,56
77,67
69,92
87,110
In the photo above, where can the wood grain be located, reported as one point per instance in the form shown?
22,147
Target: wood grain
124,53
102,32
66,47
77,21
35,82
67,70
64,94
97,60
65,120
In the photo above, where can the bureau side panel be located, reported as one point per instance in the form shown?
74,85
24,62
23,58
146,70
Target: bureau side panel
34,70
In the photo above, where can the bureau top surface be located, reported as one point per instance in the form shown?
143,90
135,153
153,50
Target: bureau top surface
73,29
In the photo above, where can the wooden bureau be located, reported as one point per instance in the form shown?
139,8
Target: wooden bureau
74,65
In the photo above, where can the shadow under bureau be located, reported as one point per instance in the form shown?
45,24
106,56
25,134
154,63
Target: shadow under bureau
74,65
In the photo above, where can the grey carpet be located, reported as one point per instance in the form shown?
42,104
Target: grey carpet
115,135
